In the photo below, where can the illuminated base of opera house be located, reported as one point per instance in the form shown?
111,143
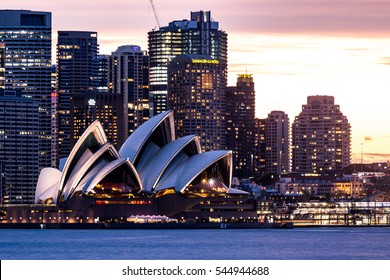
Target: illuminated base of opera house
153,175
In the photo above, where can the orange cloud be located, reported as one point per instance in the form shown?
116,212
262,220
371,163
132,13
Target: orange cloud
370,157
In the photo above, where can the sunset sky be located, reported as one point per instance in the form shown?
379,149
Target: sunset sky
294,48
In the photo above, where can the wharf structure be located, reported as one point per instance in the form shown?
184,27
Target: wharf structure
153,173
347,213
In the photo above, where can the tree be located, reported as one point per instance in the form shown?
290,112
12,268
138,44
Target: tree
268,178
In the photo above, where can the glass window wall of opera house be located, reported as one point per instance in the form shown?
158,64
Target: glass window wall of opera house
151,174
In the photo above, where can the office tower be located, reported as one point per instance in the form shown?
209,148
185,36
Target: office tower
53,79
1,182
259,167
241,126
54,130
2,65
277,143
54,118
19,146
76,67
199,35
27,38
321,137
103,106
102,75
197,89
128,77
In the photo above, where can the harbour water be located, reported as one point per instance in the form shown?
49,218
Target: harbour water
366,243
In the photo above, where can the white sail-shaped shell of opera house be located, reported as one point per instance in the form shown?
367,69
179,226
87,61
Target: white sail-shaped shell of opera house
153,173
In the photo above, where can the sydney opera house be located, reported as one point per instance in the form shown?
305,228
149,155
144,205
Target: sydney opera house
152,174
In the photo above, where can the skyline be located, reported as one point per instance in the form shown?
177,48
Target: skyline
294,49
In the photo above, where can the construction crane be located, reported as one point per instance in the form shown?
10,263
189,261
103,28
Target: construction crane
155,14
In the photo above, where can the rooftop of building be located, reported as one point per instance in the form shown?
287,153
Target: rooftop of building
128,49
188,24
17,18
77,34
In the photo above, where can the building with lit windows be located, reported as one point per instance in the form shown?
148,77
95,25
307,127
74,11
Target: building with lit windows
54,117
196,93
241,126
19,146
103,106
76,67
54,129
277,143
102,74
153,174
328,187
128,77
2,65
321,137
199,35
259,167
27,38
353,187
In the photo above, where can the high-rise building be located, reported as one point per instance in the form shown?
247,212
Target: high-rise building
196,93
76,66
128,77
102,74
277,143
19,146
2,64
54,130
321,137
27,38
103,106
199,35
259,167
54,118
241,126
1,182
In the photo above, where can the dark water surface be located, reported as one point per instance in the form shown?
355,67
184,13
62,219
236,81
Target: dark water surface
269,244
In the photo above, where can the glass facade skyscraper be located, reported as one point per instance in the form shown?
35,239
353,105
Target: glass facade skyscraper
199,35
26,36
241,126
101,76
103,106
77,66
2,63
128,77
19,146
196,94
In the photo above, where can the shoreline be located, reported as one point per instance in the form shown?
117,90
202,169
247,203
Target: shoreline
339,226
173,226
152,226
